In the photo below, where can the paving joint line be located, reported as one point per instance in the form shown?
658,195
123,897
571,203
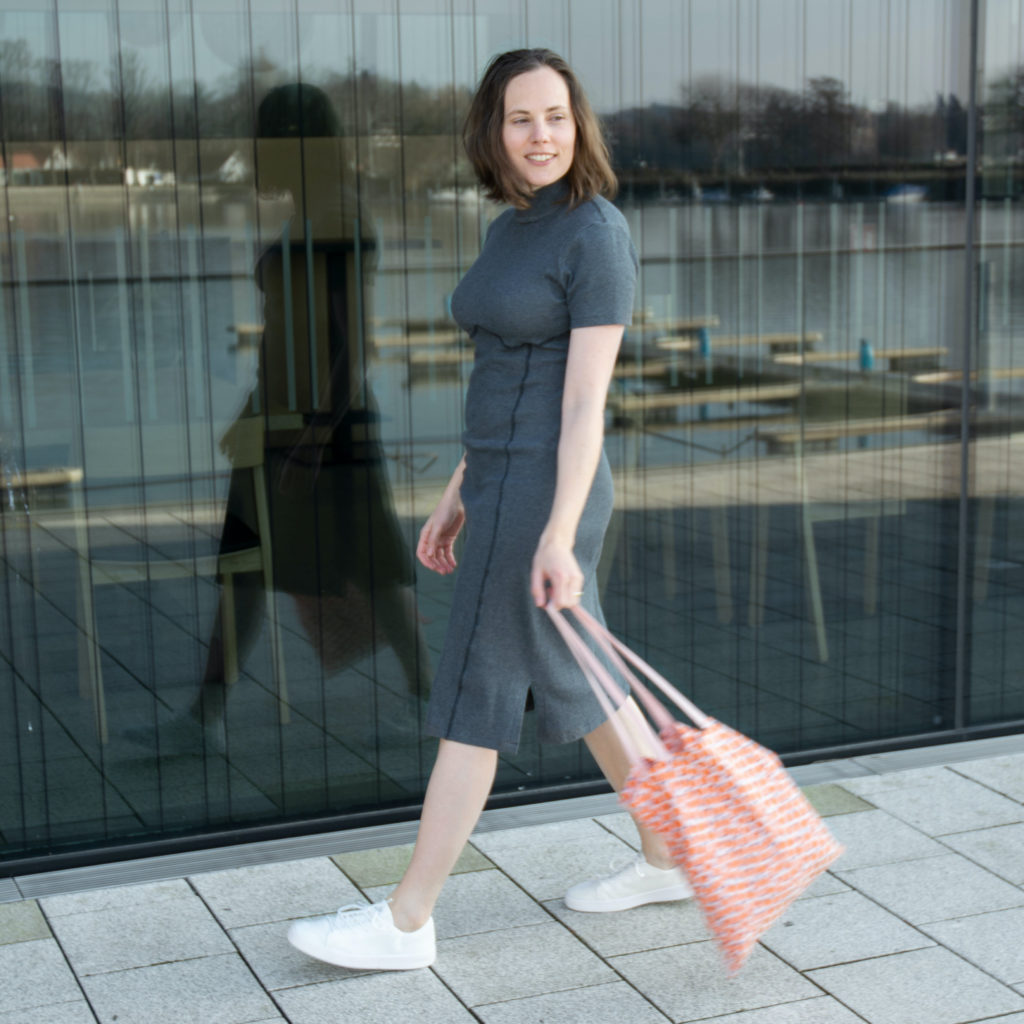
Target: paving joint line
934,943
67,960
579,938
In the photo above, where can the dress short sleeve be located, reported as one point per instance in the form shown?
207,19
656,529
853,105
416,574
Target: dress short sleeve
600,269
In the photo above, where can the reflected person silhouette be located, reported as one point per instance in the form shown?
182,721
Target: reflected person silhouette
335,545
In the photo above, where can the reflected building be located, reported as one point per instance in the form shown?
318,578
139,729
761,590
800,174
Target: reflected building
231,390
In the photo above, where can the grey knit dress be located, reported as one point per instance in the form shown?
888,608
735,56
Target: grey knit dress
542,272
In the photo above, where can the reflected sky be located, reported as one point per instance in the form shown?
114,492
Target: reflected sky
902,51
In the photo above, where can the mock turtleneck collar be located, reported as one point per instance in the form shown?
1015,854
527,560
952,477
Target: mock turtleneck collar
545,201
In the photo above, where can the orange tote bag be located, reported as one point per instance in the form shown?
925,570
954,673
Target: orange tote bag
734,820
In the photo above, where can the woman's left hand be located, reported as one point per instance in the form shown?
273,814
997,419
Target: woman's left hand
555,577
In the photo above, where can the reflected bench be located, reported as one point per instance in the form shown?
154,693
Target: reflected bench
784,439
952,376
901,360
779,342
622,406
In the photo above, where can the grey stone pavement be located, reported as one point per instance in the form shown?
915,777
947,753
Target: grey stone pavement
921,922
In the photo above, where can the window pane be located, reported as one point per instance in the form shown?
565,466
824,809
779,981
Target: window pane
232,387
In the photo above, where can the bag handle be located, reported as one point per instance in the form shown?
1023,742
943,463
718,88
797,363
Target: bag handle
613,647
606,689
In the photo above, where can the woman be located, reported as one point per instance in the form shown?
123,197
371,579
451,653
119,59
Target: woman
546,304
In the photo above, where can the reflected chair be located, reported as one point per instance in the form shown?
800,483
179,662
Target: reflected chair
48,500
810,512
247,453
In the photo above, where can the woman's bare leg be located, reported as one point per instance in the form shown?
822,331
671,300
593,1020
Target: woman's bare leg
460,781
607,751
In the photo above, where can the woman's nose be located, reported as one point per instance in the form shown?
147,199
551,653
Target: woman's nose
540,131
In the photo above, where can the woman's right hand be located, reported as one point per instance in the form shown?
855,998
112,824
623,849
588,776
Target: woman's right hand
436,547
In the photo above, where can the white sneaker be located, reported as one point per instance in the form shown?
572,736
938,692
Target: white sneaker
364,938
632,886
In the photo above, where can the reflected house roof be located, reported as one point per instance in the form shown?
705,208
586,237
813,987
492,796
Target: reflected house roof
21,162
21,167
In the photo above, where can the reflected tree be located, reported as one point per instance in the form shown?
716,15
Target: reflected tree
1004,115
828,120
720,126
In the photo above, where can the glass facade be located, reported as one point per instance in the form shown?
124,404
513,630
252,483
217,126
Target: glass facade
231,390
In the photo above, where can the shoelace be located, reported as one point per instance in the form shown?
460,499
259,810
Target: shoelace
353,914
617,866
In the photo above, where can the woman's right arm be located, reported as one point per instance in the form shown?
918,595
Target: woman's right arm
436,547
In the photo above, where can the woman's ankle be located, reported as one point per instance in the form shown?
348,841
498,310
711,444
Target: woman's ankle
406,918
659,859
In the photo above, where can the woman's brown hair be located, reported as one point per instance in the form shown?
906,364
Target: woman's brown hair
591,173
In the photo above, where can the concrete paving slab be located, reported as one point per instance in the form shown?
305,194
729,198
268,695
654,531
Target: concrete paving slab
478,901
824,885
140,935
520,962
1005,774
386,867
689,983
214,990
525,961
993,942
838,929
824,1010
830,800
620,825
59,1013
868,785
1000,849
22,922
115,898
275,892
949,803
547,859
412,997
277,964
600,1004
33,974
876,837
632,931
924,986
934,889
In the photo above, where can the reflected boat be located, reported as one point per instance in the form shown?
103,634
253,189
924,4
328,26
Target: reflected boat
904,194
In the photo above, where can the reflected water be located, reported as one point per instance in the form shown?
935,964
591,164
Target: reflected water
890,274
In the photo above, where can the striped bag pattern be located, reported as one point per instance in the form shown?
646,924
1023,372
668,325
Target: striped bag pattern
734,820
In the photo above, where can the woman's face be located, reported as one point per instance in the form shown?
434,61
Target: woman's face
539,131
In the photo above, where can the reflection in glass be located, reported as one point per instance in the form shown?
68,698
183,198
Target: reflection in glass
232,389
323,518
996,579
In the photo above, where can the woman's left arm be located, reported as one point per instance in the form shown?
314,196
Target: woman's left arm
555,574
